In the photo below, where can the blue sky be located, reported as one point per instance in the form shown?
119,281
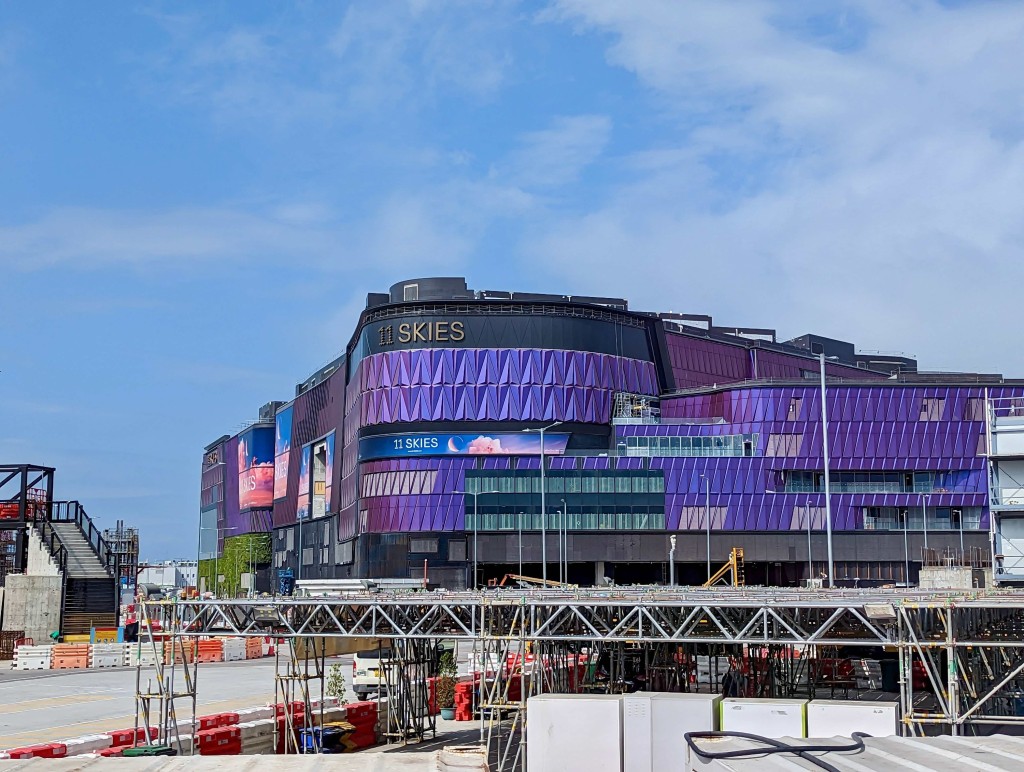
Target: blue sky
196,197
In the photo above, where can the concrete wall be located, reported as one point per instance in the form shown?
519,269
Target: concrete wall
947,578
40,562
32,604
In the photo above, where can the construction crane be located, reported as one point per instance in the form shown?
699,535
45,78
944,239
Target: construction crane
528,580
734,565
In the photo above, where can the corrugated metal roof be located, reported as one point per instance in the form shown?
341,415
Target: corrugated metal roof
998,753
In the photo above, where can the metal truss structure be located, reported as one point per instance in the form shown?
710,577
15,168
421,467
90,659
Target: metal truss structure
960,655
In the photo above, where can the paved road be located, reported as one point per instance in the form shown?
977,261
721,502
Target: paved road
48,705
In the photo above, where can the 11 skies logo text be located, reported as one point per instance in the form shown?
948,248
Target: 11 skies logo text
421,332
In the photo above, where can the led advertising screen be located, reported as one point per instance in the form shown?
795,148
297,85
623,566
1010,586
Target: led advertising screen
490,444
302,505
256,468
330,469
282,451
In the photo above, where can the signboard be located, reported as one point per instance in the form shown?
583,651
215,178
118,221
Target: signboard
256,468
489,444
282,451
302,502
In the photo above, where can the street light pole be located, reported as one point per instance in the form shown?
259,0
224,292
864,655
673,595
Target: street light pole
924,518
672,560
828,490
810,562
906,548
520,543
543,501
476,523
563,544
707,518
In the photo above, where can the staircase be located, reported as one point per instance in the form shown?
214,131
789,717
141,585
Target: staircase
89,568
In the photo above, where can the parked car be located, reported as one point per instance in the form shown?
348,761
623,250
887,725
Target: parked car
368,676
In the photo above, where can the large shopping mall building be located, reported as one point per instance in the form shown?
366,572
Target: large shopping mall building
417,451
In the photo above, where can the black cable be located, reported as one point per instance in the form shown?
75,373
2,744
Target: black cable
774,746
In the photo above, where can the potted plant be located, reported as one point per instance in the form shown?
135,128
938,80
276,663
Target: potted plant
447,672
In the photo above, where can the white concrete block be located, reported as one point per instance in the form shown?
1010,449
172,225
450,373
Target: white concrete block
841,718
765,717
574,733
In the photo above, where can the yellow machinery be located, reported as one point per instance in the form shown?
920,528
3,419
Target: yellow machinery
525,581
734,565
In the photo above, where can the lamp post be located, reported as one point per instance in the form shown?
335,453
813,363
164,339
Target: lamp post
563,554
906,548
543,502
672,560
924,519
476,522
810,563
828,490
707,518
520,543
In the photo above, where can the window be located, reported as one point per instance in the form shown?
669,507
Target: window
423,545
456,550
932,408
411,292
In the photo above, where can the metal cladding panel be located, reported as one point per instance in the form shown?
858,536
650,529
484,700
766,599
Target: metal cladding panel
315,413
699,361
496,385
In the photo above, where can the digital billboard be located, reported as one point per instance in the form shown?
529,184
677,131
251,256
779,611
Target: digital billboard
302,505
487,444
256,467
282,451
330,469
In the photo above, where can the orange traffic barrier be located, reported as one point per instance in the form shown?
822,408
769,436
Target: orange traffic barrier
210,650
66,656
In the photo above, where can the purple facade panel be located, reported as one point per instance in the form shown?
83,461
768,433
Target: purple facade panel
232,521
496,385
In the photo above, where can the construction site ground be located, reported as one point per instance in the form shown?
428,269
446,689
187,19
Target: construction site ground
38,706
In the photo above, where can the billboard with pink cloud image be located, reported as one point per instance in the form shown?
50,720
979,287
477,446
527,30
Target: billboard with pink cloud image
485,444
256,468
282,451
303,501
329,442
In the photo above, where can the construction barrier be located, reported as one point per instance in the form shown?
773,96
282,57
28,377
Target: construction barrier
222,741
181,651
67,656
234,649
131,736
108,655
253,648
41,751
210,650
90,743
32,657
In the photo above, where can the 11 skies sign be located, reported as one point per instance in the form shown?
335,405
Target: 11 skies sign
256,468
489,444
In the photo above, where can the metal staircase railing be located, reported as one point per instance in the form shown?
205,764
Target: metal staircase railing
74,512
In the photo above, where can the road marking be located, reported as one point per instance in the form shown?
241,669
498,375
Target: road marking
51,702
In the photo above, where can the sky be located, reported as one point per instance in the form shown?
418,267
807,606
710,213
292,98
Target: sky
195,197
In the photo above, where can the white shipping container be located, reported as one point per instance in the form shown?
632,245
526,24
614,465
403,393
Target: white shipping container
765,717
574,733
654,725
841,718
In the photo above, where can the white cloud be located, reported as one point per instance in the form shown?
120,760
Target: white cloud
559,154
870,191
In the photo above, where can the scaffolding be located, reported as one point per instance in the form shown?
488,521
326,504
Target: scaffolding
124,546
957,657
